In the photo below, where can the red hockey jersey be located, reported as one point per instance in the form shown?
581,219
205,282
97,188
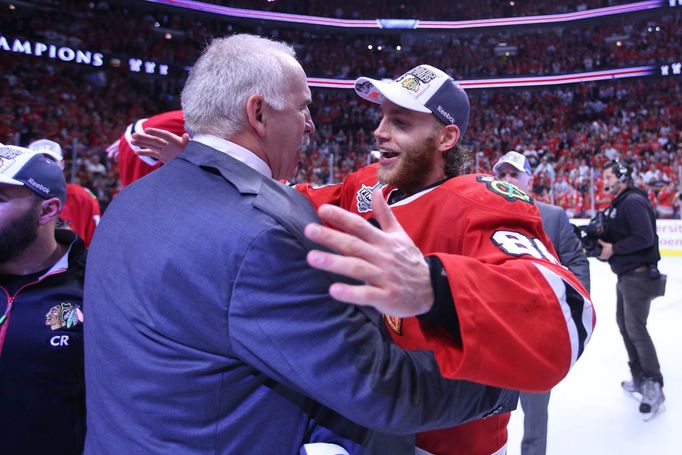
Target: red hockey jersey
524,319
132,166
81,211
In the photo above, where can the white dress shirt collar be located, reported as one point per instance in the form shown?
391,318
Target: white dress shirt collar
237,152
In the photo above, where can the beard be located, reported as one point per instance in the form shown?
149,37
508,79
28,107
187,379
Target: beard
411,171
15,238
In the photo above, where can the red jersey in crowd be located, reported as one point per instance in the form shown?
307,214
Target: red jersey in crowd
81,211
602,199
489,237
133,166
667,201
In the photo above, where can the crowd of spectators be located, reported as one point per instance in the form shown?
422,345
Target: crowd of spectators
564,130
474,55
83,111
125,31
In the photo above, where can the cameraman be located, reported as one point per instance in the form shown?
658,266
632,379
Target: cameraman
630,244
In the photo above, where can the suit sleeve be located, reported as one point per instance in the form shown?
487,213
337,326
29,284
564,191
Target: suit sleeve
283,322
570,252
524,320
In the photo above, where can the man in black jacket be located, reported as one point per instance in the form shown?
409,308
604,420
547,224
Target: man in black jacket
42,390
630,244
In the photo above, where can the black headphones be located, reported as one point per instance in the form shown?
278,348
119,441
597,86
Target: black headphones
621,170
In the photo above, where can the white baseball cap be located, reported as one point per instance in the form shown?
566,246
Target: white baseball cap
47,147
515,159
422,89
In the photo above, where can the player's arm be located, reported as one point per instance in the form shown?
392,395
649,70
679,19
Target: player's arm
523,320
291,330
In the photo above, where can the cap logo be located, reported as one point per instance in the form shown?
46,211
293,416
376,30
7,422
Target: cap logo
38,186
445,114
411,83
8,154
423,74
417,80
364,87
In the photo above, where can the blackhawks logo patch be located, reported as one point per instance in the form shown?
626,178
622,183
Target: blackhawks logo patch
64,315
505,189
364,197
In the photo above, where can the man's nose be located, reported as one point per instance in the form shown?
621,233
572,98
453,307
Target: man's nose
309,125
381,132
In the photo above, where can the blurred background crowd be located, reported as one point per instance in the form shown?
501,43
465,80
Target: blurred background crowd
567,131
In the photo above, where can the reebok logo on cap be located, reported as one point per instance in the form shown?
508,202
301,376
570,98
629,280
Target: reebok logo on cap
37,186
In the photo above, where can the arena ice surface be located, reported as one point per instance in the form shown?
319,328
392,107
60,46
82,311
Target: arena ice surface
589,414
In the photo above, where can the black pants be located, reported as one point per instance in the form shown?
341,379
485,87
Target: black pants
635,291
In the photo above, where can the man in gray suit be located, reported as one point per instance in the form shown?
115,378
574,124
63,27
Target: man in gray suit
207,330
514,168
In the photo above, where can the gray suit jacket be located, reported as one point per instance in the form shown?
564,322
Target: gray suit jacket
208,333
566,243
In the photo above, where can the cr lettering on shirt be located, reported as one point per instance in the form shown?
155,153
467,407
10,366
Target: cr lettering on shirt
59,340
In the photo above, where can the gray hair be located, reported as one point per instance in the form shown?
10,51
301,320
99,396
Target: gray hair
229,71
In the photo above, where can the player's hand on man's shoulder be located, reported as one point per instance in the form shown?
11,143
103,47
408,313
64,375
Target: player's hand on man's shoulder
395,274
160,144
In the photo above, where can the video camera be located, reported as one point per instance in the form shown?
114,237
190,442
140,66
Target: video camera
590,234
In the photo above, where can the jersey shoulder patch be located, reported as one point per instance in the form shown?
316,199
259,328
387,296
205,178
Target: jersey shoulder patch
504,189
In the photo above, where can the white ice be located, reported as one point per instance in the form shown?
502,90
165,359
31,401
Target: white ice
588,412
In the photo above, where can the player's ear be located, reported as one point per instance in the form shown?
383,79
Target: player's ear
448,137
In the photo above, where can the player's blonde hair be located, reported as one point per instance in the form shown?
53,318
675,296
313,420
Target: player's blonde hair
456,160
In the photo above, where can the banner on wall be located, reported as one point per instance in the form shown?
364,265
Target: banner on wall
669,235
87,57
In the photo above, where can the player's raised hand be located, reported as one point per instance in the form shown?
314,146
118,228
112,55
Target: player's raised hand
395,274
160,144
112,150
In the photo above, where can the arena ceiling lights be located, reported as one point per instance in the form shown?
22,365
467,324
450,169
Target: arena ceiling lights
413,24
